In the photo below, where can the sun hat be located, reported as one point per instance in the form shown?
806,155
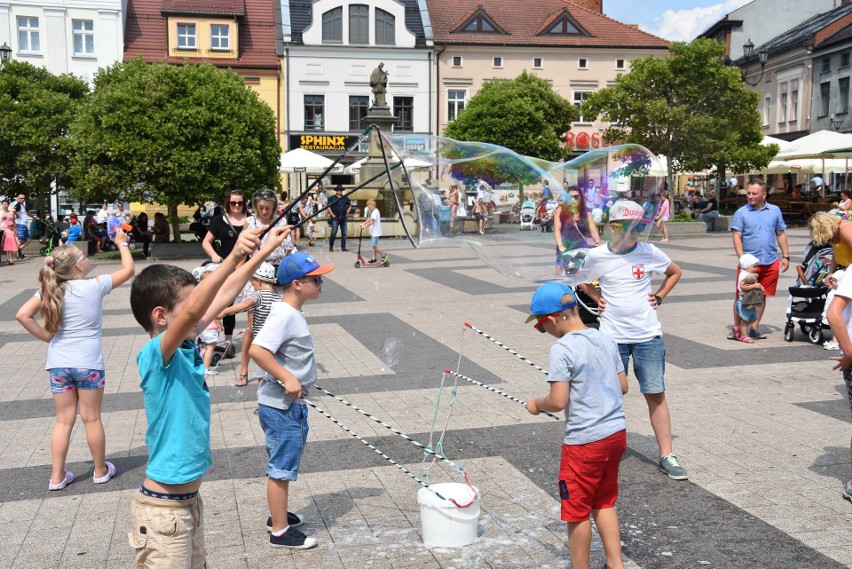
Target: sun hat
265,272
748,260
551,298
299,265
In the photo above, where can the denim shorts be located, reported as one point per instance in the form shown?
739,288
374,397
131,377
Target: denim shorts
63,379
374,241
649,364
286,433
746,313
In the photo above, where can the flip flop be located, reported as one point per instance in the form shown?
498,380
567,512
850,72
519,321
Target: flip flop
242,381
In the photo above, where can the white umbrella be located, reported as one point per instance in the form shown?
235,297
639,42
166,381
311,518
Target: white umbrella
816,145
304,161
410,164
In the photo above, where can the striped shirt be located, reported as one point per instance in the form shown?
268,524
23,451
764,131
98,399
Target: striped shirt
263,300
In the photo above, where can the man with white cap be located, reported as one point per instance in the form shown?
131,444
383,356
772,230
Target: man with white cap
629,313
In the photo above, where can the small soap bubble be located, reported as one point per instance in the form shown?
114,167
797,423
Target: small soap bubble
391,351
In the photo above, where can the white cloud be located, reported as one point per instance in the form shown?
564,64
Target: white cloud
684,25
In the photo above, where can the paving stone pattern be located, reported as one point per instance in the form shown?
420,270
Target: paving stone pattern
763,430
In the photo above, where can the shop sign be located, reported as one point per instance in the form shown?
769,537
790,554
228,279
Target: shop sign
323,142
582,139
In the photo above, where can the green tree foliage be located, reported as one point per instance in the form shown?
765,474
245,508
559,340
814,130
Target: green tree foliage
523,114
36,108
690,107
172,134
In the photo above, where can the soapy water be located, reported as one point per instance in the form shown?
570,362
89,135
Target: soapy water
390,351
614,191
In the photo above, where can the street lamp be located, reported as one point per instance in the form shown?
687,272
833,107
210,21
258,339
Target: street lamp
5,52
835,123
762,58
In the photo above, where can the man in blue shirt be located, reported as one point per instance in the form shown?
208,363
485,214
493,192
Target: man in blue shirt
756,228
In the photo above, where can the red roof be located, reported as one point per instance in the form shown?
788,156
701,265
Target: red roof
524,26
146,31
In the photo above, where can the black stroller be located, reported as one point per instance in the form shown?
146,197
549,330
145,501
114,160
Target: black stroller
49,236
806,304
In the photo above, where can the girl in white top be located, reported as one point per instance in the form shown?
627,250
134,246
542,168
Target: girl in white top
71,311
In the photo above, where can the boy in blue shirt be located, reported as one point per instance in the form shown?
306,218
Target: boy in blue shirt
167,513
284,350
587,381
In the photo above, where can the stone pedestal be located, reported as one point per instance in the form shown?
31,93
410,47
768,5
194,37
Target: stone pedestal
375,164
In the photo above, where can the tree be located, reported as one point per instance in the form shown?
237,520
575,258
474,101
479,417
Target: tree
522,114
172,134
690,107
37,108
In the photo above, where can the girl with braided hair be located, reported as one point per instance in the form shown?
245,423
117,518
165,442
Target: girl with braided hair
71,308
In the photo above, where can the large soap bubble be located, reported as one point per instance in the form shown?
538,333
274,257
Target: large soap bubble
559,210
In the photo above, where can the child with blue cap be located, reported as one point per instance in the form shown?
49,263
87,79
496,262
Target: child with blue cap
587,381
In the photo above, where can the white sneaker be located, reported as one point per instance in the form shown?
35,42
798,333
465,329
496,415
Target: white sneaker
831,345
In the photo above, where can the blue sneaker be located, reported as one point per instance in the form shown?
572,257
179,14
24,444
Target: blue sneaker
670,465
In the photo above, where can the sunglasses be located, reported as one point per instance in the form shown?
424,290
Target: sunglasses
236,202
264,194
539,324
316,280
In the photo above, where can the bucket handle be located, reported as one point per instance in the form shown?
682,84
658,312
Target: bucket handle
471,486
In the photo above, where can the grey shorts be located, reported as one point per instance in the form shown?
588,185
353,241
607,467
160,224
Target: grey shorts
847,379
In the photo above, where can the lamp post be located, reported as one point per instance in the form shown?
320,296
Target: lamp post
5,53
762,58
835,123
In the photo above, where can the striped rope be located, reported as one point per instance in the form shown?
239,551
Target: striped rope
499,392
425,449
505,347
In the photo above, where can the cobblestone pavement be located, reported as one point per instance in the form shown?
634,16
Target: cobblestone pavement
763,430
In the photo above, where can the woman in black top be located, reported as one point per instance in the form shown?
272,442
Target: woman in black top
224,230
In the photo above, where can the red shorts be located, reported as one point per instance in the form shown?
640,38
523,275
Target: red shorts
588,476
767,275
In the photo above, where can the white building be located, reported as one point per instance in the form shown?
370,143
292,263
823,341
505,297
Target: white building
64,36
328,50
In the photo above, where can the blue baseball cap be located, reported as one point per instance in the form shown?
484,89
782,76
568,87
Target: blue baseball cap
551,298
299,265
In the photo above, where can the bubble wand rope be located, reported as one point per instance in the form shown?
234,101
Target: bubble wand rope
505,347
385,425
498,392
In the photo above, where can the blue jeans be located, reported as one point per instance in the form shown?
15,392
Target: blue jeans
286,433
649,363
335,223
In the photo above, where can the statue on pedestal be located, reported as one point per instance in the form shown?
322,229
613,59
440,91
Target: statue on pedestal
379,85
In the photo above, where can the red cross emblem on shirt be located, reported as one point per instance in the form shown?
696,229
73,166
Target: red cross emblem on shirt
638,271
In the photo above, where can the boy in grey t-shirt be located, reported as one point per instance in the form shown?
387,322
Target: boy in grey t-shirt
587,381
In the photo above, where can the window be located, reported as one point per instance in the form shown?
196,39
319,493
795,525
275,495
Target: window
843,103
186,36
824,98
84,37
583,63
455,103
844,59
498,62
403,107
220,37
359,23
619,64
794,106
579,97
782,109
28,35
358,107
564,25
480,22
332,25
385,28
537,62
314,111
767,109
826,65
457,61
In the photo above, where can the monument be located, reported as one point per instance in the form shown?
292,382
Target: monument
380,115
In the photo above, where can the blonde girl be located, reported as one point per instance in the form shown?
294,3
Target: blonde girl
663,216
71,308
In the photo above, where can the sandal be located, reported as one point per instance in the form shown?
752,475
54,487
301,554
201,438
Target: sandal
747,340
242,381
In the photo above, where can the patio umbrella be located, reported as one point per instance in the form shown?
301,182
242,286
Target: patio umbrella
410,164
305,161
819,144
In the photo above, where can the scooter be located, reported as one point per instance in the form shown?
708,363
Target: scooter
362,262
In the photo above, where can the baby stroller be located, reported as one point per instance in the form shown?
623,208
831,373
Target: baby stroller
807,300
445,219
49,237
528,215
546,217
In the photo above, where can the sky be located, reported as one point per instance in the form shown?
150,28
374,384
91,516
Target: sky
674,20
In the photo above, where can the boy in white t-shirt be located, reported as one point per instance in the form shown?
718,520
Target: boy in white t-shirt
629,313
374,222
840,320
746,282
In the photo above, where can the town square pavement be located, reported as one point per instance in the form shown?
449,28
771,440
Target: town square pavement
763,429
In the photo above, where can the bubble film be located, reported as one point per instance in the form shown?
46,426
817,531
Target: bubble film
558,210
390,351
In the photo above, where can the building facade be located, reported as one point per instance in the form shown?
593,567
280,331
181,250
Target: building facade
328,50
572,45
64,36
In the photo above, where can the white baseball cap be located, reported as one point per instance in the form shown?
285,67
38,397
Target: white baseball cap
626,210
748,260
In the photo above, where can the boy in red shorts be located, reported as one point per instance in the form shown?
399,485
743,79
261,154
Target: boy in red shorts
587,381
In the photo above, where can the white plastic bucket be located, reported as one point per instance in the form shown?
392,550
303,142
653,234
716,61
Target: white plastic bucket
443,523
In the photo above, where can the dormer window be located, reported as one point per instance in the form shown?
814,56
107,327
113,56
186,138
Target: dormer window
385,28
564,25
220,37
480,23
186,36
